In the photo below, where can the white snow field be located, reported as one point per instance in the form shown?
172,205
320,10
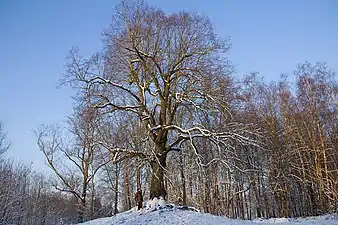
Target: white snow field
175,215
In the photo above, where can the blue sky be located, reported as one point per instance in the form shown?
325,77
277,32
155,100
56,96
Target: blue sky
270,37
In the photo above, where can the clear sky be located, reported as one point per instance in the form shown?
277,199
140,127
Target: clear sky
270,37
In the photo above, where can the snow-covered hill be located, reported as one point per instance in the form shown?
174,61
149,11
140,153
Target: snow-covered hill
176,216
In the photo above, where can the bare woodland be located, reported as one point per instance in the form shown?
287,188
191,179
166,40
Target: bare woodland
159,109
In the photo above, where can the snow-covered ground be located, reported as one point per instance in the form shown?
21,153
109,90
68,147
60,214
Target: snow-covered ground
320,220
176,216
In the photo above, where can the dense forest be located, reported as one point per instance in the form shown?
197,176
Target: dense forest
161,109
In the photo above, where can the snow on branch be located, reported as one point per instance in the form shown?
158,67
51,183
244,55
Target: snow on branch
107,81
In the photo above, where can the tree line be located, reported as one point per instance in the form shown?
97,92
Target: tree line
160,110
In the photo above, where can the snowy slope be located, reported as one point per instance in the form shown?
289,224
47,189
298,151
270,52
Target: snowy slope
165,217
183,217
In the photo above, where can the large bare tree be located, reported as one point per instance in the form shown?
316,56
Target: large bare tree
152,66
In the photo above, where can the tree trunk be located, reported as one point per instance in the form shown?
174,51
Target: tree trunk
126,186
206,193
157,182
184,192
92,199
138,179
116,190
215,195
81,210
82,201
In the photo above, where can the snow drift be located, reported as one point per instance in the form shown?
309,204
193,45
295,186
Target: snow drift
160,214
